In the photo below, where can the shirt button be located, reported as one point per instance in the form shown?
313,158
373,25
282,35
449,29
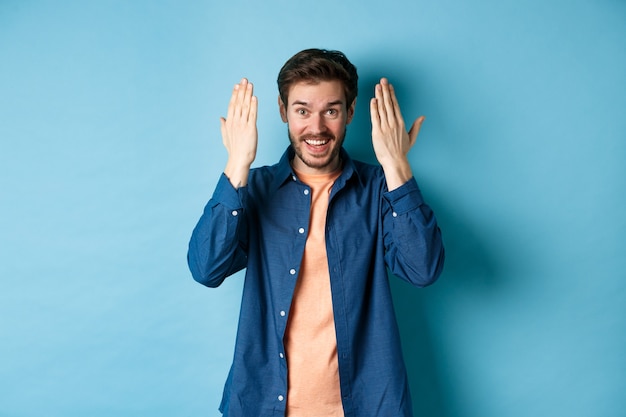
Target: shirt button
234,212
282,313
293,177
306,192
394,214
292,271
281,398
301,230
281,355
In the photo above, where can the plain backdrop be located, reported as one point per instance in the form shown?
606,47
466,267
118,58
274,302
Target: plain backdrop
110,147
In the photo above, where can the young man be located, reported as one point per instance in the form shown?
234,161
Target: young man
317,233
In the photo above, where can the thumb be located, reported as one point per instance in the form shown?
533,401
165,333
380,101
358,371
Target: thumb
415,128
223,129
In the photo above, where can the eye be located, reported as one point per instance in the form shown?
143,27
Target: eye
301,112
331,112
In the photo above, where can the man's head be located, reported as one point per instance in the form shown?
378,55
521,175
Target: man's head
317,96
315,65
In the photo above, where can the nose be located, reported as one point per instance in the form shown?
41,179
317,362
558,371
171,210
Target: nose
318,124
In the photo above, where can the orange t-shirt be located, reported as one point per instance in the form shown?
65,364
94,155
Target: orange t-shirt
310,340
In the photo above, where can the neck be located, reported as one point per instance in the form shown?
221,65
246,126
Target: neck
329,168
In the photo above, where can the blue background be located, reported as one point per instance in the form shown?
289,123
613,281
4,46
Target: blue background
110,147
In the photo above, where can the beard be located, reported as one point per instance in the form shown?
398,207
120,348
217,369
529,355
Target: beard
328,159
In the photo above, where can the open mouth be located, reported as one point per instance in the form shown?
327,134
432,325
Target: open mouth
316,142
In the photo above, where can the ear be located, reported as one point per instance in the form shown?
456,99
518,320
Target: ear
351,111
282,109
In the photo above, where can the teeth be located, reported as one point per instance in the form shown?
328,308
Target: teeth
317,142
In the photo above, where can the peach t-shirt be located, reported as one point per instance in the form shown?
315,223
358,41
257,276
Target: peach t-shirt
310,340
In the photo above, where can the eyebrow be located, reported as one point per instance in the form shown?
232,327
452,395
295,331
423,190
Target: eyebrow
304,103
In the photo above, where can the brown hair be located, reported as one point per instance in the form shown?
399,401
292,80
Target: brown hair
315,65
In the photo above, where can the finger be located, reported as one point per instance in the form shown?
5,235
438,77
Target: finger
247,102
232,103
254,105
241,94
374,114
387,101
395,105
380,104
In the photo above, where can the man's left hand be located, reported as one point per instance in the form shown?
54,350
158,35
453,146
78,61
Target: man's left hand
390,138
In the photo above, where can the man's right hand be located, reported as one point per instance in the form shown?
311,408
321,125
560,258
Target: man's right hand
239,133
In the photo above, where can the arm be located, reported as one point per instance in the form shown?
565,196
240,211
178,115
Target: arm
218,243
413,246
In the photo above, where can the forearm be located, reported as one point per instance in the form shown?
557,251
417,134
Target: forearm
413,241
218,242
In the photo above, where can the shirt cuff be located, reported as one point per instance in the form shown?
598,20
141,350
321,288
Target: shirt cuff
226,195
405,198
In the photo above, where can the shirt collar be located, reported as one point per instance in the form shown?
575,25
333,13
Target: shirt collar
284,171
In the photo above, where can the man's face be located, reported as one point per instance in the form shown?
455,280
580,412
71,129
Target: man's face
317,116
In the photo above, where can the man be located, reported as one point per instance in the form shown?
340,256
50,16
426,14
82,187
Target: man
317,232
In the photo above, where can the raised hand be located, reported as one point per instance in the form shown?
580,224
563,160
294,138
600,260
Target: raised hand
239,133
390,138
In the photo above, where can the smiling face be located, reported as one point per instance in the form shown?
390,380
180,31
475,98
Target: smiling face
317,115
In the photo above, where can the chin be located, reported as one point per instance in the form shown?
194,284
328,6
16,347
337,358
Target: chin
320,162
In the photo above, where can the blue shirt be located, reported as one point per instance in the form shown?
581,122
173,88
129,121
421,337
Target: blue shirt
263,227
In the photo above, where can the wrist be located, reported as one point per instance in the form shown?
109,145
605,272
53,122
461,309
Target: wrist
397,173
237,173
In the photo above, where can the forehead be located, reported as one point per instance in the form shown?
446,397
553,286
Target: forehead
316,93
